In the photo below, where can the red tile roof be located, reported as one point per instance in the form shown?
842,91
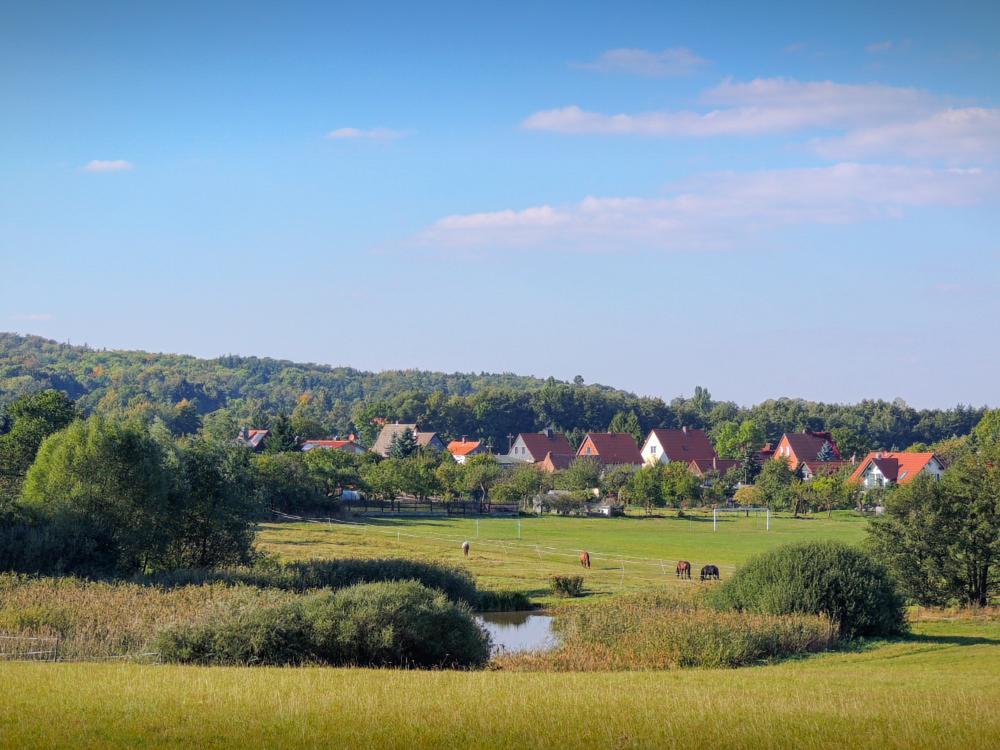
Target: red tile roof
540,443
463,447
824,468
701,466
611,448
556,461
309,445
685,444
807,445
899,468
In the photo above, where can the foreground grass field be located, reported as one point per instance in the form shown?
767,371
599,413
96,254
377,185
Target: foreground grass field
939,689
630,554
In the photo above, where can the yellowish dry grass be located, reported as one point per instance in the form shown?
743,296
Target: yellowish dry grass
938,690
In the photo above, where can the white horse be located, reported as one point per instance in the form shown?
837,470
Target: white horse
465,548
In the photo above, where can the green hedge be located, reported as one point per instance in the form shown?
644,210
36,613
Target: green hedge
387,624
829,578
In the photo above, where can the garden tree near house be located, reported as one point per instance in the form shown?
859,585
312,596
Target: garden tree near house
333,470
717,488
451,479
103,484
286,484
627,422
365,416
734,440
850,442
26,423
941,539
282,438
614,480
403,445
749,496
417,475
383,478
480,473
582,474
521,484
825,452
645,488
830,491
679,486
749,468
775,484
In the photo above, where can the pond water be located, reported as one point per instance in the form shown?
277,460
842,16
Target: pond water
518,631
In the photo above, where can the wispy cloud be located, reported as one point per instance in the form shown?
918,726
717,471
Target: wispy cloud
717,211
876,47
371,134
675,61
33,317
758,107
795,48
107,165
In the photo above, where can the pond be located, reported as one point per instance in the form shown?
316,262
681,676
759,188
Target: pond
518,631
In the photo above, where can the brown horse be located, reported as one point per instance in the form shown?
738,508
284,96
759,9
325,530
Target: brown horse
709,573
465,548
585,559
683,569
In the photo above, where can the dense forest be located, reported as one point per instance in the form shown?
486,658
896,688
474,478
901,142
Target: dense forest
220,395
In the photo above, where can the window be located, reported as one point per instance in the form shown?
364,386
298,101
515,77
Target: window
652,449
588,450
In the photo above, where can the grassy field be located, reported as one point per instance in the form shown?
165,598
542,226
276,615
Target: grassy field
631,554
939,689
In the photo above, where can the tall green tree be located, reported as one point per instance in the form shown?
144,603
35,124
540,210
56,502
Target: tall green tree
775,483
941,539
582,474
403,445
627,422
27,422
282,438
645,488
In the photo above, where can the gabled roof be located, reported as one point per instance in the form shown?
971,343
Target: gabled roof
540,443
702,466
252,438
612,448
685,444
896,467
807,445
557,461
389,431
309,445
823,468
463,447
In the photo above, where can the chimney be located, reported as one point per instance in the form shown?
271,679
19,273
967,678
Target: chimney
352,437
465,438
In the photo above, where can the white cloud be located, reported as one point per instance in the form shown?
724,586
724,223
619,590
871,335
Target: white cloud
718,211
758,107
669,62
372,134
964,135
107,165
876,47
33,317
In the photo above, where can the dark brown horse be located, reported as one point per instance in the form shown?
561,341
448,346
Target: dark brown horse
683,569
710,573
585,559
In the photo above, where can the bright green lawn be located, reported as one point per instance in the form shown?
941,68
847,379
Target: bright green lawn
647,548
940,690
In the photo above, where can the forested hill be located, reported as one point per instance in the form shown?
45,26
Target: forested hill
231,391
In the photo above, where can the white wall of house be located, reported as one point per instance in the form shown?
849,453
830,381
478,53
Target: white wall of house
519,452
652,451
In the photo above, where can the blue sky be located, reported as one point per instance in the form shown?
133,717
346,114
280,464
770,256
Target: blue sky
764,199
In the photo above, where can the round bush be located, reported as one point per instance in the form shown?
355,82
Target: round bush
828,578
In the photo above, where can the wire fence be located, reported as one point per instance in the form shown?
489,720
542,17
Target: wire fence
519,551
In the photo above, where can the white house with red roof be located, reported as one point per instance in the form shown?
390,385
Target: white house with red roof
685,444
460,450
532,447
887,468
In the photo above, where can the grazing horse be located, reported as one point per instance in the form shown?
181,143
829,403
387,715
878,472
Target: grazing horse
585,559
710,572
465,548
683,569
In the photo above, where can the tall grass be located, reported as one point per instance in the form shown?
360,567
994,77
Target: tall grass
657,631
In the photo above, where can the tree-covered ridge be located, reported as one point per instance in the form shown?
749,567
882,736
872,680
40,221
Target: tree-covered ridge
225,393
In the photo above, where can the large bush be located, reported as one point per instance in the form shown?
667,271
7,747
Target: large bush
401,624
303,575
828,578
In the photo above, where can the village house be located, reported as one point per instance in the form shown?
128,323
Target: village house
686,445
706,467
610,449
810,469
391,431
796,447
886,468
460,450
532,447
350,445
554,462
253,439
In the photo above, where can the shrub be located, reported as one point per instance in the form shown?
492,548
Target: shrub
300,576
829,578
503,601
402,624
567,585
655,631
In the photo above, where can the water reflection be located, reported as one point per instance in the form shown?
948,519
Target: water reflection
518,631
